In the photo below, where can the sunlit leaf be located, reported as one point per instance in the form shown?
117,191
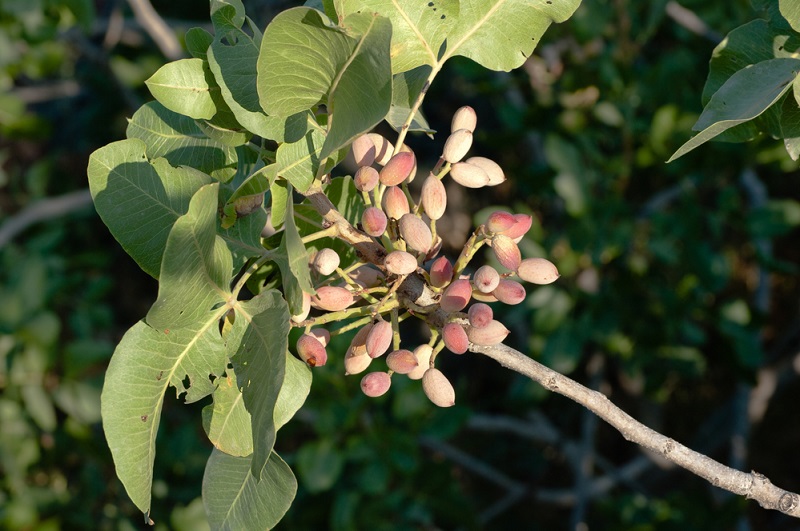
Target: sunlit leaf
182,86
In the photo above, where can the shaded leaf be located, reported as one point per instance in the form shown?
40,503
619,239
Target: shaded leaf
298,162
197,42
319,464
182,86
406,88
197,266
235,499
292,259
131,192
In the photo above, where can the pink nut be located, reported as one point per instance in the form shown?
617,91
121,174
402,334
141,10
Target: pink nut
395,202
364,151
509,292
433,197
522,225
400,263
506,251
416,233
455,338
464,118
374,221
398,169
469,175
311,351
492,169
383,148
500,221
438,388
480,315
486,279
537,271
375,384
332,298
379,339
491,334
456,296
366,179
423,354
402,361
441,272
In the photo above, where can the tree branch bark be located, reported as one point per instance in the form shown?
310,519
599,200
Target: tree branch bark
753,486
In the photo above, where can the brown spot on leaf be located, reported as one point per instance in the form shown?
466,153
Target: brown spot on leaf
144,418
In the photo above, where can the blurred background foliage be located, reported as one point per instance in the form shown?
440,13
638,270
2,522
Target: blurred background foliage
679,294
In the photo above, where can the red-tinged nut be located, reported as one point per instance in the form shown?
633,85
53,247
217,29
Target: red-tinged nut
322,335
509,292
375,384
521,226
492,169
441,272
483,297
486,279
402,361
464,118
379,339
355,363
366,179
433,197
364,151
480,315
395,202
457,145
311,351
416,233
537,271
438,388
374,221
455,338
383,148
491,334
398,168
500,221
332,298
367,276
506,251
423,354
456,296
469,175
326,261
400,263
410,179
306,309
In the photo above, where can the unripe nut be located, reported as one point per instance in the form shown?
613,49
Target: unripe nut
379,339
375,384
311,351
383,148
486,279
491,334
469,175
400,263
506,251
457,145
374,221
455,338
509,292
332,298
433,197
322,335
416,233
398,169
305,309
492,169
464,118
366,179
480,315
395,202
364,151
456,296
500,221
537,271
326,261
402,361
521,226
438,388
441,272
423,354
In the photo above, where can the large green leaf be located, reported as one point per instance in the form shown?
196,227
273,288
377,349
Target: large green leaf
140,200
790,9
178,139
747,94
196,269
235,499
183,87
418,28
305,60
261,332
501,34
144,363
298,162
292,258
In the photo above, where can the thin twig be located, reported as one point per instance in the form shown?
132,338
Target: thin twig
689,20
158,30
43,210
753,485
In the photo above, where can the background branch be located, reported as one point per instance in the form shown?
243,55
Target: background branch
753,485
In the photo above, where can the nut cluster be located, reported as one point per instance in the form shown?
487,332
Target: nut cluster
371,296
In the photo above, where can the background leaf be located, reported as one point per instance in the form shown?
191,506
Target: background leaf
406,87
183,87
131,192
235,499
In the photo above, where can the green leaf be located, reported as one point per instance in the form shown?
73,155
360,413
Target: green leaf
261,329
790,10
319,464
183,87
226,421
144,363
197,42
746,95
294,391
305,60
292,258
790,122
227,15
298,162
501,34
196,269
418,28
406,88
279,193
140,200
178,139
235,499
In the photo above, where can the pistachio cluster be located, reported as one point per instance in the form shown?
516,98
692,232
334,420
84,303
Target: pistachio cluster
371,296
